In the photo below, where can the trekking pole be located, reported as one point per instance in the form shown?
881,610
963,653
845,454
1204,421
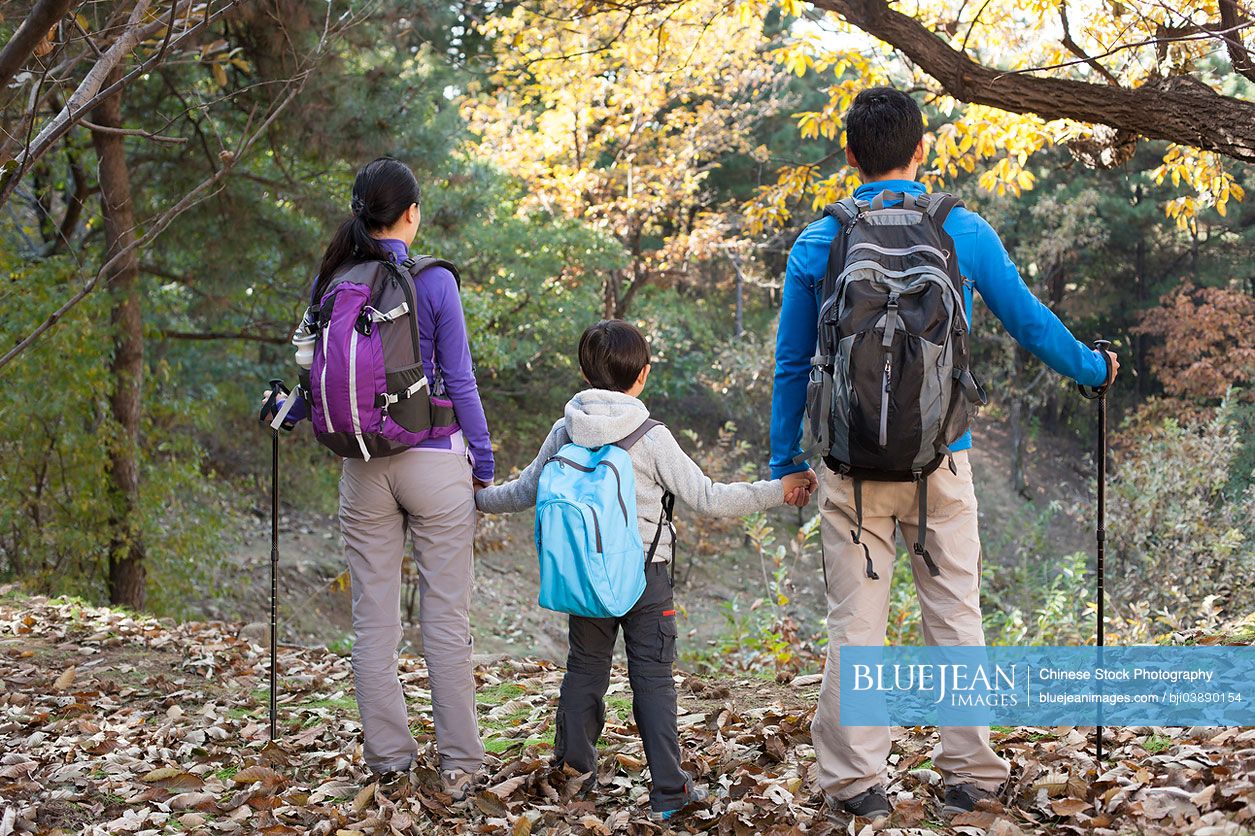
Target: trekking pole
276,389
1100,394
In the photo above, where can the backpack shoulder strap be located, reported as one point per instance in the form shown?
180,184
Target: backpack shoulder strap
418,265
844,210
939,206
637,434
668,498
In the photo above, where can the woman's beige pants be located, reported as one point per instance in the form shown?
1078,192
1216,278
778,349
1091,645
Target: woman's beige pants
428,492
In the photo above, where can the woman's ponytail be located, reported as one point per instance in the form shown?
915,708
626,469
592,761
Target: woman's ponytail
382,191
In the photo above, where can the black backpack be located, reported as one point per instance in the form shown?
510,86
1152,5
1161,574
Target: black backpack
890,388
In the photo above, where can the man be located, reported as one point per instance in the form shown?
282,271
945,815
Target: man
885,142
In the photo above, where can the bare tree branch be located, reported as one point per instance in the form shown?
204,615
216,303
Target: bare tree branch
208,336
1075,48
78,106
202,191
1178,109
106,129
1231,19
43,16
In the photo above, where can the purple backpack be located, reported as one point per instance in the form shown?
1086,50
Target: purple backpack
367,388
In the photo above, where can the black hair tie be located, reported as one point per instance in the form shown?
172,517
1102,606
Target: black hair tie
357,206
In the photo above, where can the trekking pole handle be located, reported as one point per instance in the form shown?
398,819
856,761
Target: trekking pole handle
1092,392
276,389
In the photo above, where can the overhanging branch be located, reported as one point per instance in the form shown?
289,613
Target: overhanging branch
1179,109
43,16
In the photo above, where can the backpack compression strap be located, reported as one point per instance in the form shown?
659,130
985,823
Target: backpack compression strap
921,547
921,544
668,498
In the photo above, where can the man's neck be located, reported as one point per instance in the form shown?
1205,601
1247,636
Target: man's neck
897,174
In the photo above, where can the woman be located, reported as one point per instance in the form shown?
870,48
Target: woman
428,489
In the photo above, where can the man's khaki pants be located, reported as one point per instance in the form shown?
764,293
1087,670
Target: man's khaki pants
852,759
428,492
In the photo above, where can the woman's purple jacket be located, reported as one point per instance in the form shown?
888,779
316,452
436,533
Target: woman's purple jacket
442,330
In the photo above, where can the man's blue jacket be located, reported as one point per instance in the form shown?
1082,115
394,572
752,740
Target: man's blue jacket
984,264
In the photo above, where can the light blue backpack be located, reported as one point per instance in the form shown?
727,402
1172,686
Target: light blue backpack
592,559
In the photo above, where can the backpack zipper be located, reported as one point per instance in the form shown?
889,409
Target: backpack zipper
583,468
596,528
884,401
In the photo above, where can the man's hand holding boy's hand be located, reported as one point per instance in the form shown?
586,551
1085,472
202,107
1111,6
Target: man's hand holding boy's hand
798,487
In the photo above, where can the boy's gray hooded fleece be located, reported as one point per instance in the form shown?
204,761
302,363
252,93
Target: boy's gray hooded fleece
595,417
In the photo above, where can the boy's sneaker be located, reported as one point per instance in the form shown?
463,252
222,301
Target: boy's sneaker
695,794
871,803
458,784
962,798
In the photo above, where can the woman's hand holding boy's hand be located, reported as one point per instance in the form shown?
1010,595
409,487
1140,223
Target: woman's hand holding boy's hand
798,487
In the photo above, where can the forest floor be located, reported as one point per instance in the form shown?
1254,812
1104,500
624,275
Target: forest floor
114,723
719,574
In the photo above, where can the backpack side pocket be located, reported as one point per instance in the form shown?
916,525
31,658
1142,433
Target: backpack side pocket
818,426
412,412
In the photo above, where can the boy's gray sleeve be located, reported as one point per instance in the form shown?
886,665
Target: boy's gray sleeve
681,475
520,493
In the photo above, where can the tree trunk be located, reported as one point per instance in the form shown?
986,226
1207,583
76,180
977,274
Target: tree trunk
1141,368
610,293
126,547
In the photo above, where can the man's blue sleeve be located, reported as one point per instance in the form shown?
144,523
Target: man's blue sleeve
795,345
1031,323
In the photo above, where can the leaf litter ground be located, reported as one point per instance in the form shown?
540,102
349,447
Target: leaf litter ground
115,723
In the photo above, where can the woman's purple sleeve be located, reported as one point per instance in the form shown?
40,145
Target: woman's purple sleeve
453,354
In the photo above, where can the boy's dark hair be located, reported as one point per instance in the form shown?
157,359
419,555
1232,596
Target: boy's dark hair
882,129
612,354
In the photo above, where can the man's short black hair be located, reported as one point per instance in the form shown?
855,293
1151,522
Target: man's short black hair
883,128
612,355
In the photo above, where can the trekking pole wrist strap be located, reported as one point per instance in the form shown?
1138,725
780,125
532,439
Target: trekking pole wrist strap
1095,392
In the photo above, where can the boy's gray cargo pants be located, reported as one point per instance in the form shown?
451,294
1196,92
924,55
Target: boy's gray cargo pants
428,492
649,634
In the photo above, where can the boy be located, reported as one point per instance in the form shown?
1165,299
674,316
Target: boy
614,359
885,142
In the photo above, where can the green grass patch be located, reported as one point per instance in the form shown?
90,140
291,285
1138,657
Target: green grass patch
1157,743
926,763
226,773
498,694
344,703
497,745
13,593
342,646
621,706
506,721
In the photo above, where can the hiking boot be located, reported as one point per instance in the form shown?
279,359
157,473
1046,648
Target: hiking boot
458,784
870,804
694,795
962,798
